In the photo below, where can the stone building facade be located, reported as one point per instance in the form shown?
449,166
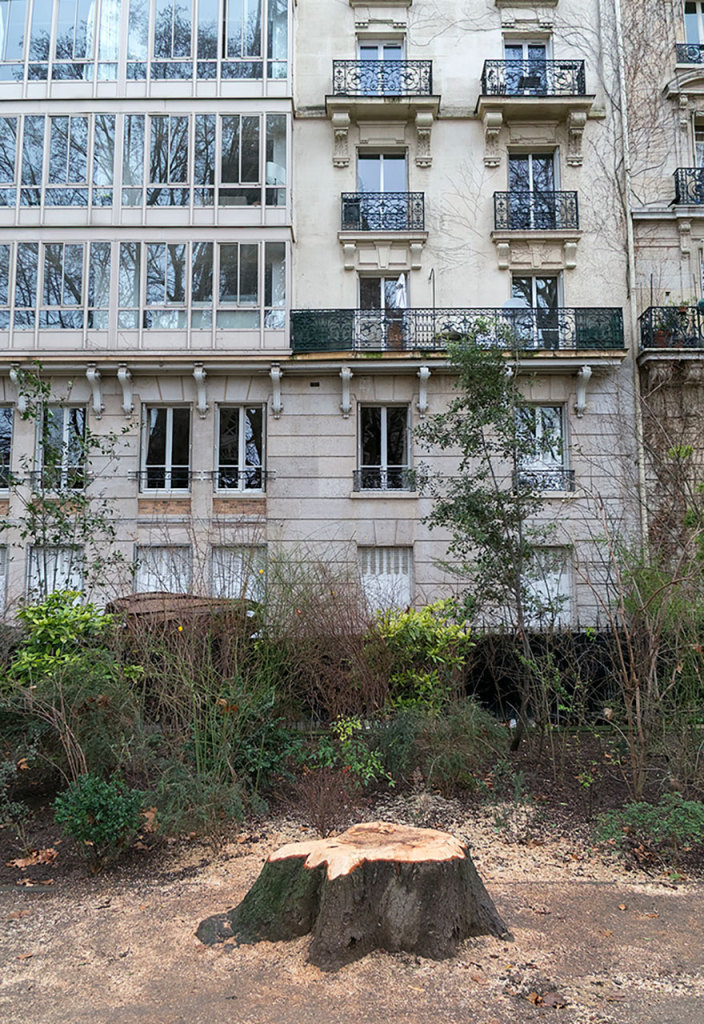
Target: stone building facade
237,235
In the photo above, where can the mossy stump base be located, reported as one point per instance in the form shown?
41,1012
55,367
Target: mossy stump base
376,886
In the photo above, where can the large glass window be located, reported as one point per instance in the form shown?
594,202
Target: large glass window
166,449
383,448
26,275
32,160
239,166
75,30
103,159
165,298
385,575
61,447
239,285
541,433
541,329
13,14
129,285
168,161
62,302
54,567
547,587
99,285
240,448
8,160
163,568
239,572
67,182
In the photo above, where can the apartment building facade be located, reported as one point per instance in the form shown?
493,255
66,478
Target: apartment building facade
238,235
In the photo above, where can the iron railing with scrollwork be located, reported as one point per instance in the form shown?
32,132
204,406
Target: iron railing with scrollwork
557,478
689,185
672,327
689,53
382,478
383,211
382,77
533,78
341,330
535,211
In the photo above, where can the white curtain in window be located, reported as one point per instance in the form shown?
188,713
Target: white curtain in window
163,568
239,572
386,577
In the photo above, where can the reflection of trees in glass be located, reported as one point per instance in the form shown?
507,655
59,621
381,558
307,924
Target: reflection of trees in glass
8,159
99,285
172,29
32,158
168,160
26,283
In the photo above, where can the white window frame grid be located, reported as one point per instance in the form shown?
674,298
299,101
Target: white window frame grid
699,15
179,577
386,576
101,196
384,468
63,577
65,467
555,472
241,468
168,466
100,67
245,577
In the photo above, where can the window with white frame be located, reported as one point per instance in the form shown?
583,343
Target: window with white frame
541,435
163,567
166,448
61,447
385,573
52,568
694,21
383,453
6,418
157,39
548,585
239,572
240,448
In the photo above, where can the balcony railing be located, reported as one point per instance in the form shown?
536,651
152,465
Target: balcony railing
689,53
382,478
535,211
533,78
672,327
382,77
383,211
554,479
689,185
428,330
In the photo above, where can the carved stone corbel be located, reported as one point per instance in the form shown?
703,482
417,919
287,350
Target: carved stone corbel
424,377
415,251
570,250
125,379
492,129
276,405
576,122
201,402
685,229
22,400
341,129
93,378
684,111
424,126
346,403
583,378
503,252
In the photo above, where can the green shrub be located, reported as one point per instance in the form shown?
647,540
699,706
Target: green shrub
187,800
101,814
348,749
667,826
428,650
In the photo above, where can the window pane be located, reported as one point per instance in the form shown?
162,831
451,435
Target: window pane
129,275
12,21
239,572
166,568
204,158
4,285
208,29
276,159
397,437
278,32
386,577
156,446
250,149
370,430
103,159
99,285
5,444
156,274
249,275
229,264
229,443
133,160
32,159
26,283
202,274
109,41
138,30
40,32
253,450
275,283
230,147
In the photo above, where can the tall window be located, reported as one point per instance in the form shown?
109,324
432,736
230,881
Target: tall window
240,448
541,328
54,567
5,445
61,447
166,568
694,21
541,430
547,583
166,447
531,182
385,575
239,572
62,300
383,448
165,297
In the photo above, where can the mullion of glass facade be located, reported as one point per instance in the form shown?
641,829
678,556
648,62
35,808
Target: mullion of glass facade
157,39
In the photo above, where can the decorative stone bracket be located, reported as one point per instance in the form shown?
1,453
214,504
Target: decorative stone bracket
93,378
341,130
276,404
424,377
22,400
493,121
346,403
424,126
201,401
125,380
576,121
583,378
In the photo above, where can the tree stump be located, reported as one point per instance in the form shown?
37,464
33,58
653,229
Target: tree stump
376,886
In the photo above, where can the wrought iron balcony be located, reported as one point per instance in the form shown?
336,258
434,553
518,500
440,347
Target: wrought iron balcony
533,78
383,211
672,327
428,330
689,53
382,478
554,479
535,211
689,185
382,77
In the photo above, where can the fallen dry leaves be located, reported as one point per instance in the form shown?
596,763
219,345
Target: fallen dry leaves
47,856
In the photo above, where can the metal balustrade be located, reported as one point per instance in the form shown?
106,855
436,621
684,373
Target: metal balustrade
523,329
382,77
533,78
689,185
383,211
672,327
554,479
535,211
689,53
382,478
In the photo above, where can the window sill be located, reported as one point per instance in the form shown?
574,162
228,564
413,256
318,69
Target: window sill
376,494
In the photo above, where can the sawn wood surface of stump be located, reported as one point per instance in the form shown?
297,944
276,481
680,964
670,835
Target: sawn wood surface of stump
376,886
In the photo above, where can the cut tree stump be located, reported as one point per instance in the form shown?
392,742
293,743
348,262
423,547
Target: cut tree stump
376,886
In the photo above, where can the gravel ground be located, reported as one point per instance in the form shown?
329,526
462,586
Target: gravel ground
593,942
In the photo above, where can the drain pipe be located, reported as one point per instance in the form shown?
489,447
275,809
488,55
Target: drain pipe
631,278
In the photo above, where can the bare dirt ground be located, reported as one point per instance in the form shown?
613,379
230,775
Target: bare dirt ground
593,943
